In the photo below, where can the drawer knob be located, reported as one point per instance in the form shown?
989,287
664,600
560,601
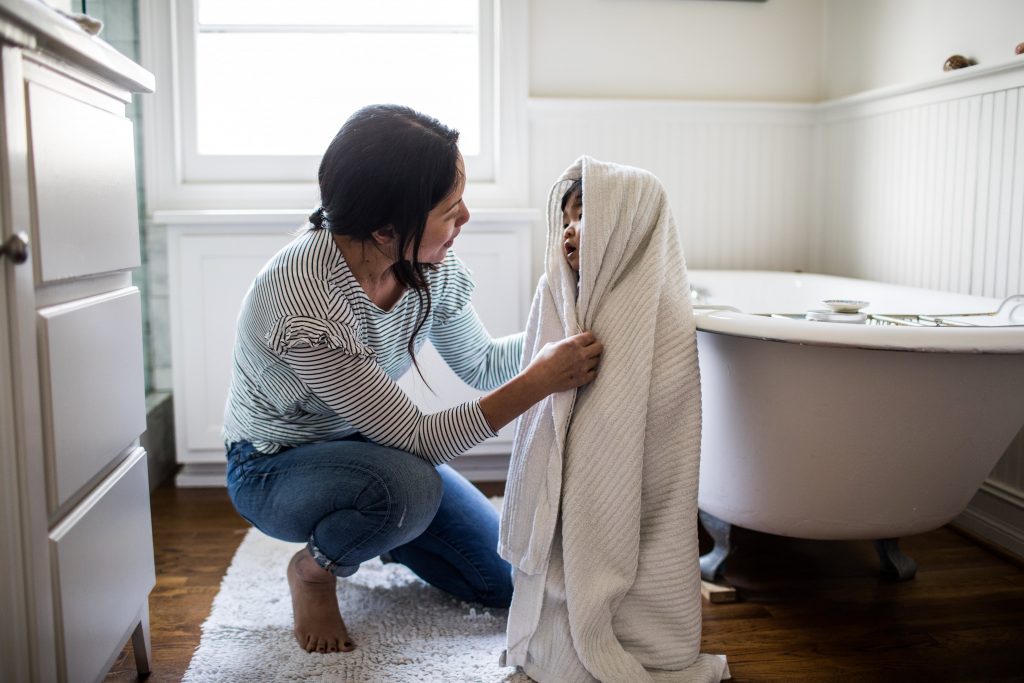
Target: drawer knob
16,247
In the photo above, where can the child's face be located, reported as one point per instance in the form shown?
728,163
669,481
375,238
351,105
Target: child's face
572,229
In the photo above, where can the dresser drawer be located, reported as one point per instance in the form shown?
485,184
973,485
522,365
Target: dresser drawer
83,186
103,559
94,402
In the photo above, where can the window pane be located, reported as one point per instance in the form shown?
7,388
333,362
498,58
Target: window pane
287,93
339,12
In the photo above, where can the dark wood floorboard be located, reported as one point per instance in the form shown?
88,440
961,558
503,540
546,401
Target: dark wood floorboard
809,610
195,535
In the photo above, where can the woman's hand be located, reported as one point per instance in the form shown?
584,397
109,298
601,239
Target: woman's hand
559,366
567,364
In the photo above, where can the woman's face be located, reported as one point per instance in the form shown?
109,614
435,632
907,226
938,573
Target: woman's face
572,229
445,221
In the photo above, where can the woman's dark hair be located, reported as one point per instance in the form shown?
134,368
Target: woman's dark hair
387,168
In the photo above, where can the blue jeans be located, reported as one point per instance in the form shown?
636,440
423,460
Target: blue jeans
352,500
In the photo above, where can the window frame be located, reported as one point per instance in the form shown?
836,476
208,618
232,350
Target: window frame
178,178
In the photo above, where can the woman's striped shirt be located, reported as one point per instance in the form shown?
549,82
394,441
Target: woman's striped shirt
316,360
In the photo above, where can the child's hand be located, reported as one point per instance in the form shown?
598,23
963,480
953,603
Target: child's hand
569,363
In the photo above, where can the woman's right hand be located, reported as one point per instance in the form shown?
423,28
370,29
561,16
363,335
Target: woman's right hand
558,366
567,364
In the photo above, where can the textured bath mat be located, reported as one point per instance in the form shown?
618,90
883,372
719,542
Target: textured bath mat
405,630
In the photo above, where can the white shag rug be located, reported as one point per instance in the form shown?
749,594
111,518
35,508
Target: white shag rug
404,629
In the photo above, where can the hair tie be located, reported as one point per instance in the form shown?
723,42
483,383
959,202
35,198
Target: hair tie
318,218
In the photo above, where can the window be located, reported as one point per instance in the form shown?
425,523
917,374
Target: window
261,87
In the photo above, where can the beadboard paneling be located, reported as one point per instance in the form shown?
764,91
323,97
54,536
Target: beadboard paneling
926,188
736,174
929,196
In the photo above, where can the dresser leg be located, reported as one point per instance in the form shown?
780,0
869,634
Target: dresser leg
141,645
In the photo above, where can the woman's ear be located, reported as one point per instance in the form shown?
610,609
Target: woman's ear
385,236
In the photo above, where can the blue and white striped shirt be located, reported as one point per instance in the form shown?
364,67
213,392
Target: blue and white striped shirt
316,360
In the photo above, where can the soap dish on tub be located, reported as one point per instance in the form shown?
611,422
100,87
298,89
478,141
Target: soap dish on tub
826,316
846,305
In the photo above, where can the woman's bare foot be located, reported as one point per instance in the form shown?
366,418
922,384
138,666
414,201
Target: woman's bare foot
318,623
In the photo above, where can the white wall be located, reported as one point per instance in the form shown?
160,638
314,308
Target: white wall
676,49
871,44
779,50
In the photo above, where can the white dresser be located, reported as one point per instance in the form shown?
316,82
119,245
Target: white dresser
212,259
76,550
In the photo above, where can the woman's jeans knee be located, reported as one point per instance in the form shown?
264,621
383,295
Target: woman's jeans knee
352,500
459,550
348,500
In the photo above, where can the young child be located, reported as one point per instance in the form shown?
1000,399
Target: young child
599,520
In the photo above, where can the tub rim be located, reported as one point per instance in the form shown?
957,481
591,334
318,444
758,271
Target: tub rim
999,340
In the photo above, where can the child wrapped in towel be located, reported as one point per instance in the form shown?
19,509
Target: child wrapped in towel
600,514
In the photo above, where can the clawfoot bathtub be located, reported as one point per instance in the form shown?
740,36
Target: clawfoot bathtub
829,430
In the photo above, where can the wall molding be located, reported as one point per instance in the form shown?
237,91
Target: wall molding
996,513
690,111
967,82
475,467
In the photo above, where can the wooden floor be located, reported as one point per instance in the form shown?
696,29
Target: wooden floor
808,610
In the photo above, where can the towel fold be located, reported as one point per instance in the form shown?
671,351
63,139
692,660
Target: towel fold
600,513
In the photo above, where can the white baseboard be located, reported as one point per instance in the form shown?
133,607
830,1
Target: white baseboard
996,513
482,467
202,475
489,467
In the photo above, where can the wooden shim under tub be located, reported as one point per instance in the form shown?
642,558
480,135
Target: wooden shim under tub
717,592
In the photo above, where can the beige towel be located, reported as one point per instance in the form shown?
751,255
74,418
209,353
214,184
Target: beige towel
600,513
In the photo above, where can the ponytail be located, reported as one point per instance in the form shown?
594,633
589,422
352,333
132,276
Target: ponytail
317,218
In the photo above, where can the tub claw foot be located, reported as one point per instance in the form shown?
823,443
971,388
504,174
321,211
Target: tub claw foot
895,564
712,564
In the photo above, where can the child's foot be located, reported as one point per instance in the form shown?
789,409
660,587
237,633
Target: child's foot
318,623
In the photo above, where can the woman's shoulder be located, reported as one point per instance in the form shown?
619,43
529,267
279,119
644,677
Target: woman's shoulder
304,277
303,263
310,253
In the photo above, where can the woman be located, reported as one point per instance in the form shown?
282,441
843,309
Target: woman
322,445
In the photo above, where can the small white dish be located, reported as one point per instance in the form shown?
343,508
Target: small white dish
845,305
827,316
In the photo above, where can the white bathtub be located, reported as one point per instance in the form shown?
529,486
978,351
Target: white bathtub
836,431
